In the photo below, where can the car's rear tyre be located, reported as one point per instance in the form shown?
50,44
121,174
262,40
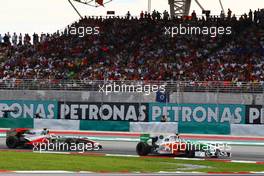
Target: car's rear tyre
190,153
143,149
12,142
217,153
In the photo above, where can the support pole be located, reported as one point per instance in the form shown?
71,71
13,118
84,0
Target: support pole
75,9
222,6
149,6
198,3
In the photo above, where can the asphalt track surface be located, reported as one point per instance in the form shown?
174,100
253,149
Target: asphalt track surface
246,153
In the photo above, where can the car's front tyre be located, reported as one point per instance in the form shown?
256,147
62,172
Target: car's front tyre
12,142
217,153
143,149
190,153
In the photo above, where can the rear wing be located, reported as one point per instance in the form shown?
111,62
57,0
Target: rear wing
15,131
144,137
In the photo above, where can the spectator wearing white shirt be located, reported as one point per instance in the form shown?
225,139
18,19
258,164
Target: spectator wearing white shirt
14,39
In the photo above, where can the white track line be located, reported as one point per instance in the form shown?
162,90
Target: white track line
44,172
136,156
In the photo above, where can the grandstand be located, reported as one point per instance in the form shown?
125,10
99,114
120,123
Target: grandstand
131,48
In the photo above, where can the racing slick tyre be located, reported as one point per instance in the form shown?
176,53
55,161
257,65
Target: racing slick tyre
143,149
100,147
12,142
190,153
217,153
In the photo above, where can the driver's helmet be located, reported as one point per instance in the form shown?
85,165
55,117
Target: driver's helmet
45,131
177,136
161,137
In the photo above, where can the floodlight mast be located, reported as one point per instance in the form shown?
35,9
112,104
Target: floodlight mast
179,7
182,7
92,3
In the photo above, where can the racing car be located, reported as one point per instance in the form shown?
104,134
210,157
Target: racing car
174,145
32,138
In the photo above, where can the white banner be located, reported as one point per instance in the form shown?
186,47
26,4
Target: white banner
154,127
247,130
57,124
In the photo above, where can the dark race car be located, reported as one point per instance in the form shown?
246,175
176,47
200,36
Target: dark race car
43,140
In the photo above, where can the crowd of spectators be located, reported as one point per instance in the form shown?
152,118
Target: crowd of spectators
131,48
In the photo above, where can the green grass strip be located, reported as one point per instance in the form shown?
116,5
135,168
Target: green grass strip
36,162
124,139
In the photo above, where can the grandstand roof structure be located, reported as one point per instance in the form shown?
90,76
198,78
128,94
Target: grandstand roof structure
177,7
92,3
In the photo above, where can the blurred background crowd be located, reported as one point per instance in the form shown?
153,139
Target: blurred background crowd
136,48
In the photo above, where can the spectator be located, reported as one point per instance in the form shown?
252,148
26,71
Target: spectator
128,15
14,39
35,39
234,18
154,15
43,37
20,38
250,15
158,15
6,39
194,17
141,15
146,14
166,15
255,16
207,14
229,14
222,15
27,39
